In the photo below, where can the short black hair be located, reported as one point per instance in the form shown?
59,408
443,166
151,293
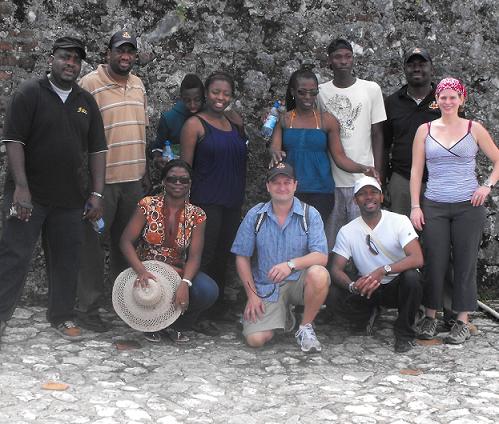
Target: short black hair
191,81
176,163
220,76
339,43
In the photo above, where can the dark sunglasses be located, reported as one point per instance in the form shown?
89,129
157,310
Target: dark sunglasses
372,247
175,180
303,92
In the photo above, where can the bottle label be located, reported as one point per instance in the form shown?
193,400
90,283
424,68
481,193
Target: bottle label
271,121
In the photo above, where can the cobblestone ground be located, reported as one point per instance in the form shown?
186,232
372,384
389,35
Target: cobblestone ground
356,379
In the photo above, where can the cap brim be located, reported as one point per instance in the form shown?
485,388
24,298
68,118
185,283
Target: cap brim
121,42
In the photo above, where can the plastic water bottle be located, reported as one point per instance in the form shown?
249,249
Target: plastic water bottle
271,121
167,151
98,225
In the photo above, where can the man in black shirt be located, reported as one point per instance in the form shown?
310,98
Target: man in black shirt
406,109
51,126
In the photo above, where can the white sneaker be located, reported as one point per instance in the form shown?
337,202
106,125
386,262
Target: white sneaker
306,338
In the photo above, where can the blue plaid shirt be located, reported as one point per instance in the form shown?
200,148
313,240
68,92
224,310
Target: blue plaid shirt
275,244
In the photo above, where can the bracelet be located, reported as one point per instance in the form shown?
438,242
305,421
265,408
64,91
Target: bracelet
94,193
186,281
352,289
416,207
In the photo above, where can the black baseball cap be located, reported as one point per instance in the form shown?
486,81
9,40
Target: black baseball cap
281,168
70,43
122,37
417,51
339,43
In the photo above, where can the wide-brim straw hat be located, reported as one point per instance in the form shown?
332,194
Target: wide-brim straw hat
147,309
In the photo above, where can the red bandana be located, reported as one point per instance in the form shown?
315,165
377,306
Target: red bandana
452,84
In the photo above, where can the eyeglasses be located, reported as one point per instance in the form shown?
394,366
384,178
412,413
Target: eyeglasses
372,247
176,180
303,92
268,294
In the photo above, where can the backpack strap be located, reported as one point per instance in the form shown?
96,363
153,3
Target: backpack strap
305,221
260,217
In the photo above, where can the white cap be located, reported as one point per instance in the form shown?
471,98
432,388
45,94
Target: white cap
366,181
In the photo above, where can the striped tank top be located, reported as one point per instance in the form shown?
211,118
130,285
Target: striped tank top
451,171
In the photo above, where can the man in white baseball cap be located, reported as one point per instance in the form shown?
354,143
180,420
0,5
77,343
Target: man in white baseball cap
385,250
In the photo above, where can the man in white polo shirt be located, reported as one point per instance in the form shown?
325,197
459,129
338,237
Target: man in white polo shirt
385,249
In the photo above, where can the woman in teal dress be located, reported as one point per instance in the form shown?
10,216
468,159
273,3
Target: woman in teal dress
306,138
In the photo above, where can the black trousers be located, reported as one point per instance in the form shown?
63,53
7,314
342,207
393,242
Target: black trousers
452,228
62,238
221,228
404,293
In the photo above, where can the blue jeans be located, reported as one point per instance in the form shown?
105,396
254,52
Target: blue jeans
62,230
202,294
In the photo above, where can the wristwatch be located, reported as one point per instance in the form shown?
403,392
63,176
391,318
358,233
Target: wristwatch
352,289
292,266
488,184
387,269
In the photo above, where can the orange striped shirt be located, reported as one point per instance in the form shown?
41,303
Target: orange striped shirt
124,113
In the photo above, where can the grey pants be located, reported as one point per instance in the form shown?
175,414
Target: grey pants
456,228
120,201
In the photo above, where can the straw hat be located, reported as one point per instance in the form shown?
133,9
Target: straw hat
147,309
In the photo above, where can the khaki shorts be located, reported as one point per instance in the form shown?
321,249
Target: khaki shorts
274,317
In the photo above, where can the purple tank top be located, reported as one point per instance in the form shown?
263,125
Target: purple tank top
451,172
219,167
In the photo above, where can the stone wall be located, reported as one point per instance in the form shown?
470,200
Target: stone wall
261,43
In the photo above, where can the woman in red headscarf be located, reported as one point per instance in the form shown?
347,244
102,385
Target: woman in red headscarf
451,213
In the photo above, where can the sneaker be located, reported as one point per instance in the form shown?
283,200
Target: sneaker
306,338
459,333
92,322
175,336
153,337
290,323
402,346
68,330
427,329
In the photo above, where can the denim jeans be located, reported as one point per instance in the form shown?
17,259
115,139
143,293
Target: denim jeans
62,238
202,294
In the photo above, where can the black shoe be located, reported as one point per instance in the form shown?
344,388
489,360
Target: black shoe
402,346
92,322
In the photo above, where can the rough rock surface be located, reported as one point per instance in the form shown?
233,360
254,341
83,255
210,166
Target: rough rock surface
261,43
356,378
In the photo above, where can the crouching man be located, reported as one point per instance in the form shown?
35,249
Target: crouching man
281,253
385,249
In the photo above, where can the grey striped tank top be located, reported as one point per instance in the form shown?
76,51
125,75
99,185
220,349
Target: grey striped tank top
451,172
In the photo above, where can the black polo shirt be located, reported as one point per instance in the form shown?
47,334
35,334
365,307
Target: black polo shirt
57,137
403,117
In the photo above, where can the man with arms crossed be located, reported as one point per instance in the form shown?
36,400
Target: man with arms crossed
384,248
358,106
281,253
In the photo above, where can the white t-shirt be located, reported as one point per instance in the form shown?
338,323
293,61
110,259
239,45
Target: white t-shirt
356,107
393,231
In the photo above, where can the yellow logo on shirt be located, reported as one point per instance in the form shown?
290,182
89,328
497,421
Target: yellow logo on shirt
433,105
81,109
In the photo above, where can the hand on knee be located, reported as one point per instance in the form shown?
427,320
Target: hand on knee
259,339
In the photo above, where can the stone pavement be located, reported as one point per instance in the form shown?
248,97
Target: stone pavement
356,379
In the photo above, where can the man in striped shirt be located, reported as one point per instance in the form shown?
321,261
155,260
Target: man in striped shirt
122,102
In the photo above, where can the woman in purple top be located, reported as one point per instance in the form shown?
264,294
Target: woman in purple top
451,214
214,143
